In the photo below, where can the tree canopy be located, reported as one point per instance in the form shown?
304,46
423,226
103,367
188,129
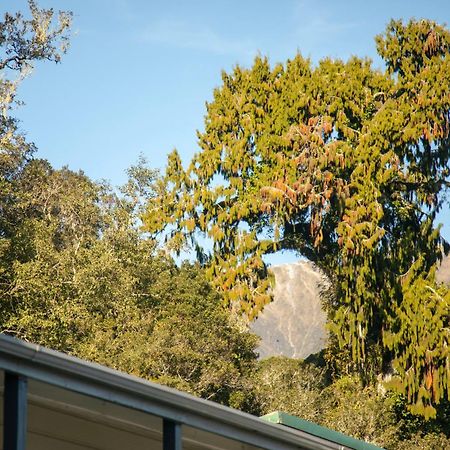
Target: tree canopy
348,166
342,163
76,272
77,275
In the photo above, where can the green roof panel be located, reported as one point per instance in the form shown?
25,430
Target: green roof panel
282,418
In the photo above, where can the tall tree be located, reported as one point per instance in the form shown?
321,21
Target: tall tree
347,165
23,42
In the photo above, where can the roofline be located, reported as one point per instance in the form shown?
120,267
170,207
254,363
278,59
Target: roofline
317,430
74,374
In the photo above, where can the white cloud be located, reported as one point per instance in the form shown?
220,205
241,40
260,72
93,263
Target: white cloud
179,34
323,17
319,21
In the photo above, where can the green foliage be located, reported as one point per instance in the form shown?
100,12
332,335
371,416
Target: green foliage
22,42
423,369
367,412
340,162
26,40
78,276
189,344
348,166
361,412
374,415
290,385
304,390
430,441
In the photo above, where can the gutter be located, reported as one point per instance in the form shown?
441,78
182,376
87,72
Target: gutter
64,371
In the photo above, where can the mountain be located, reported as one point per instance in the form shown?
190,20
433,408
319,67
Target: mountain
294,323
443,273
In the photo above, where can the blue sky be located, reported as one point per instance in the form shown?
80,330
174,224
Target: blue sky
138,73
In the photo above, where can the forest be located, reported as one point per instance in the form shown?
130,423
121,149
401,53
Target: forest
344,164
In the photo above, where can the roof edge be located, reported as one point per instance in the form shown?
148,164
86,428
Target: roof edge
297,423
68,372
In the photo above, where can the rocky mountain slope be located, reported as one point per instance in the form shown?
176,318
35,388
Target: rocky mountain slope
443,274
293,324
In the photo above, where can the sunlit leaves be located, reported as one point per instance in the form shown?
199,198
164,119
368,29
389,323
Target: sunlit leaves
420,335
343,163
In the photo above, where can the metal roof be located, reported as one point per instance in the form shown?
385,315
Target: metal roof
317,430
74,381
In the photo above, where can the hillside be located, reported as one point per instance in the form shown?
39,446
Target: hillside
293,324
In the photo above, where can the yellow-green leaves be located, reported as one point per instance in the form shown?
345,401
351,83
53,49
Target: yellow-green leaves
340,162
420,335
